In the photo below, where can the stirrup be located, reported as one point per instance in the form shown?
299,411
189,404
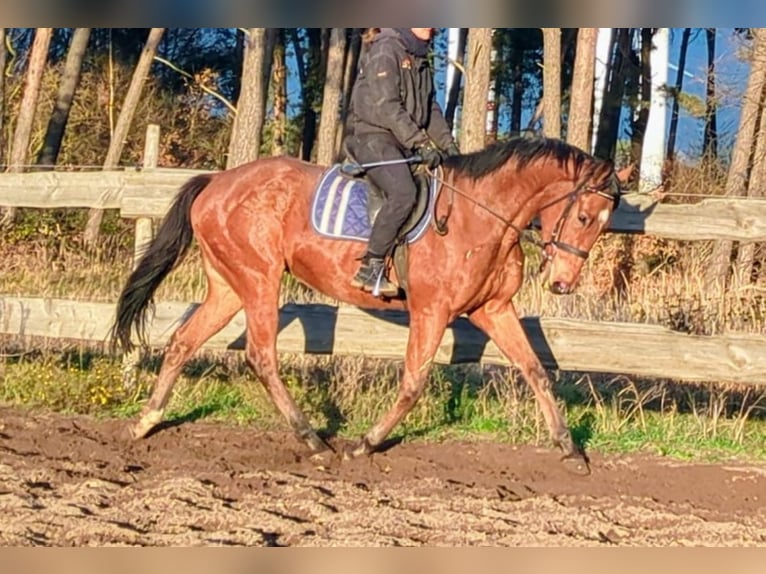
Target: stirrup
379,280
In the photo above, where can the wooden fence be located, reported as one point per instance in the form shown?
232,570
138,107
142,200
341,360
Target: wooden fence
566,344
643,350
148,193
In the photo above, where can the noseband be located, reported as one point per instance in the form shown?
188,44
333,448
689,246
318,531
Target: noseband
604,191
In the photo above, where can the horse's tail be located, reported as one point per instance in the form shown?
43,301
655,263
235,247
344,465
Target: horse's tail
160,257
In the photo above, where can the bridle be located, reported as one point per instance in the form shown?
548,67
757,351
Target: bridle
609,188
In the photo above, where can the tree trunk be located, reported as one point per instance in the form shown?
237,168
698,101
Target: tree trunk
609,120
517,89
710,139
473,124
302,66
746,253
605,42
552,82
3,59
70,79
309,68
641,116
736,179
493,95
312,90
673,131
124,121
19,147
351,67
652,156
331,98
745,271
279,86
453,90
581,100
246,133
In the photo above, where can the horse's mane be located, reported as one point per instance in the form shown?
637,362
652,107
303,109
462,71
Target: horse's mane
522,150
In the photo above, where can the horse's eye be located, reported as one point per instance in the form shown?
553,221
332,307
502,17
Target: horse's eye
583,219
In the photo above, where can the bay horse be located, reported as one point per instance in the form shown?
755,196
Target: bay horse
252,224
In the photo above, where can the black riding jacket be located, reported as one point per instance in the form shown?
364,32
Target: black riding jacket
394,93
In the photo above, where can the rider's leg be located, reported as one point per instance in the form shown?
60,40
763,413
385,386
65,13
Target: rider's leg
396,182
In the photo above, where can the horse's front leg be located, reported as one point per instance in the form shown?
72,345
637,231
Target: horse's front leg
426,332
501,323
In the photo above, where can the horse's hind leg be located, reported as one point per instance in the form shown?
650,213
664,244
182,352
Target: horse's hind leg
219,306
262,312
500,321
425,334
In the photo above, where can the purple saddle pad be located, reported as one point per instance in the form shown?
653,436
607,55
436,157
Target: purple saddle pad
339,209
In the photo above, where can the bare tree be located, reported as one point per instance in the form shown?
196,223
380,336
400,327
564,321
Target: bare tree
279,87
552,82
581,100
757,183
3,56
672,132
310,73
351,68
124,120
453,95
331,98
710,138
473,124
611,107
246,132
70,78
737,176
19,147
640,117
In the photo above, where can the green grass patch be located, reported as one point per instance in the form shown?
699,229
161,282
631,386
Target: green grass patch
344,396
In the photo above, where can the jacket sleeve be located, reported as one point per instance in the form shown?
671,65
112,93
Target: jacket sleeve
438,130
382,103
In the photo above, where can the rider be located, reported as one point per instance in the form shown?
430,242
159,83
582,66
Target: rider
394,115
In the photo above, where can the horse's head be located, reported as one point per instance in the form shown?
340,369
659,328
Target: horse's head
573,220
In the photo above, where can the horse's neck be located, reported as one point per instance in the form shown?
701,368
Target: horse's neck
528,189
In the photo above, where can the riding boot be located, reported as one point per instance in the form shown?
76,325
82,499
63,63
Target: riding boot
372,277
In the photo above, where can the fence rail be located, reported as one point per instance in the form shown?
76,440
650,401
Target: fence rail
149,192
570,345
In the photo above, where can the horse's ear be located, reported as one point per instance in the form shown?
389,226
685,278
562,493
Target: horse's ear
624,175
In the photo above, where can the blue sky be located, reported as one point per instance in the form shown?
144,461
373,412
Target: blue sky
731,78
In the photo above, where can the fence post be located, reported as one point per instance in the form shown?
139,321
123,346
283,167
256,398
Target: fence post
144,235
144,229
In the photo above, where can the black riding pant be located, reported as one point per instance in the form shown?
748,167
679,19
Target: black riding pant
395,181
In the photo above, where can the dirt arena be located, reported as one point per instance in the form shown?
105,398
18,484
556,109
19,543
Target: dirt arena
76,481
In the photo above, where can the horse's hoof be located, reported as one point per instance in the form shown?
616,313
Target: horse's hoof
145,424
315,443
362,448
141,429
138,431
577,462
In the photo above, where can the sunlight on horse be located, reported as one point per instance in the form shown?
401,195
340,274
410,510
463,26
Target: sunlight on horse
252,224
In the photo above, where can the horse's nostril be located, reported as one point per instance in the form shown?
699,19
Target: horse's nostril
560,287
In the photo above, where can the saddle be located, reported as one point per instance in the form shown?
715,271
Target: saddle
346,204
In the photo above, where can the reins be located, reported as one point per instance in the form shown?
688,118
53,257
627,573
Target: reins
440,223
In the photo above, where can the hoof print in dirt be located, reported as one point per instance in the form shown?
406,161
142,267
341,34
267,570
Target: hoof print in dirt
576,464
